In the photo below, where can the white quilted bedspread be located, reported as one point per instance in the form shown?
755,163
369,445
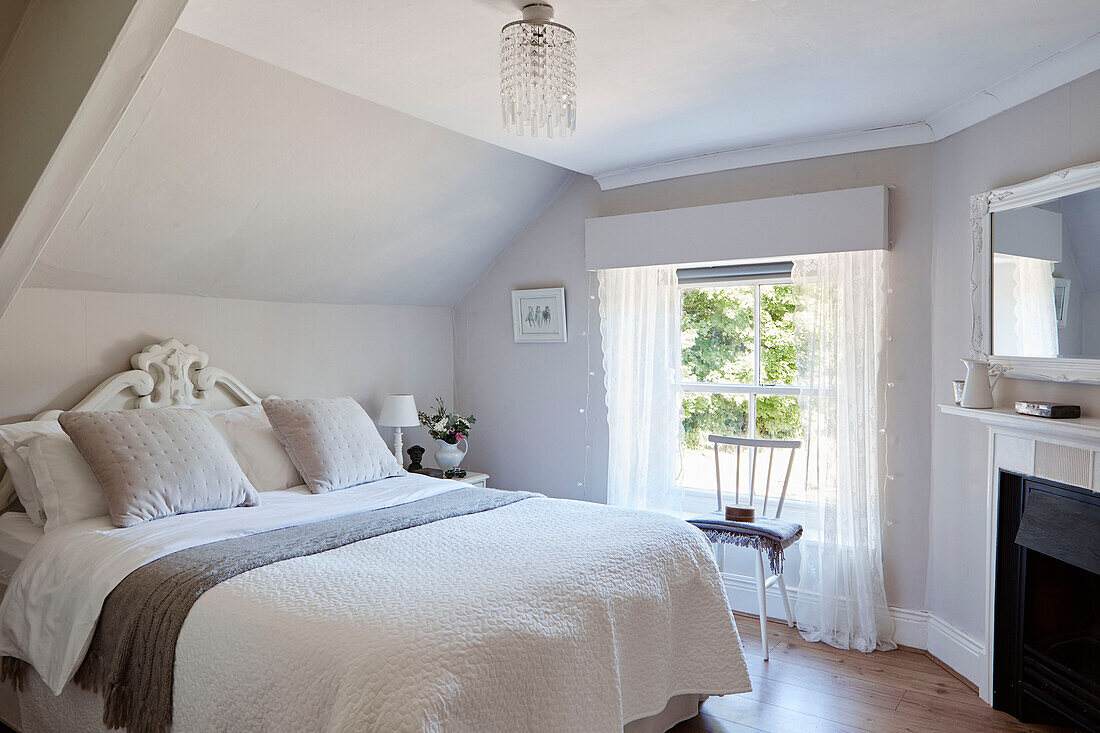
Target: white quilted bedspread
543,615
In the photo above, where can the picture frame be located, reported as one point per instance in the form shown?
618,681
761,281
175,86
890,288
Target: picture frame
538,315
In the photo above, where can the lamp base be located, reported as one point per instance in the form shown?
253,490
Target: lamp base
397,446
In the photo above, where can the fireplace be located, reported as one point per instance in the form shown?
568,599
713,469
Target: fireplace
1047,603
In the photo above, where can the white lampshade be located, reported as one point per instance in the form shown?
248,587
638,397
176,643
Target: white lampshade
398,411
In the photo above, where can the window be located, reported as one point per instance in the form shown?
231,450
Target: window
739,350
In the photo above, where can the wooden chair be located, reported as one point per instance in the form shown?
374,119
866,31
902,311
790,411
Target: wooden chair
738,535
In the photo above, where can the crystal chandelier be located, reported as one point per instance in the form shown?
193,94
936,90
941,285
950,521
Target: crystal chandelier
538,86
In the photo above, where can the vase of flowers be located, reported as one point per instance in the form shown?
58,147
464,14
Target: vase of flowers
448,429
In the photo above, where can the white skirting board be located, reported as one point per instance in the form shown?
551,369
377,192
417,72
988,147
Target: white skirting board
916,629
958,650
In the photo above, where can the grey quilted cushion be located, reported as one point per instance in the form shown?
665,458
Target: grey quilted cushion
332,442
156,463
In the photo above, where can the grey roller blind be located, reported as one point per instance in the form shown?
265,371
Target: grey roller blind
734,273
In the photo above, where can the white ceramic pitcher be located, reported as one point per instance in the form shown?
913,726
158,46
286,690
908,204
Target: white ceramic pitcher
978,390
450,455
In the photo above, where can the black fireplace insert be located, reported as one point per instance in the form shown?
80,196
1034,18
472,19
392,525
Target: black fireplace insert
1047,613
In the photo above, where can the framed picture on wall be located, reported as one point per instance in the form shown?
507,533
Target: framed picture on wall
538,316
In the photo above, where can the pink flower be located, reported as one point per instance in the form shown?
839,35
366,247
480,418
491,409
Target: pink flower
460,436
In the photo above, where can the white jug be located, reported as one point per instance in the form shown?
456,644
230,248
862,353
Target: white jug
449,455
978,390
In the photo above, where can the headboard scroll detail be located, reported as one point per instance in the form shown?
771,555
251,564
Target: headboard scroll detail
168,374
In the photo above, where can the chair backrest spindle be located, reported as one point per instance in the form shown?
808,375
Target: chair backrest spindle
737,484
718,474
768,481
752,474
786,481
754,445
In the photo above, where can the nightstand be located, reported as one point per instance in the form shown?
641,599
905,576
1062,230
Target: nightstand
474,479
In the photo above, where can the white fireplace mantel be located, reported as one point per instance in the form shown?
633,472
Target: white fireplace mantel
1086,429
1066,451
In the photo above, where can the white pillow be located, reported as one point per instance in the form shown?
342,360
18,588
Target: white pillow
68,488
256,447
13,450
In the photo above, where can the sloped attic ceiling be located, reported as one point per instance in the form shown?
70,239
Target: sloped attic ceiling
664,79
231,177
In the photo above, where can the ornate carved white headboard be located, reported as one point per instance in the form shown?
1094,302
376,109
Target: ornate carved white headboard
168,374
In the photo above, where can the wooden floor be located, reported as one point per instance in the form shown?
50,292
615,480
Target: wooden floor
811,688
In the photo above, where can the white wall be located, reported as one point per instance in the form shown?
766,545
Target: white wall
1055,131
528,397
56,345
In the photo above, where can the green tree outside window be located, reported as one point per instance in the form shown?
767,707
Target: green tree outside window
717,346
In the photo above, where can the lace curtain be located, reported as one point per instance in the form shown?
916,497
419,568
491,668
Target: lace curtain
1036,320
640,326
841,596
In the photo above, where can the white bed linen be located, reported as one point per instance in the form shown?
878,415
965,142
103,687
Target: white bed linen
544,614
52,603
18,534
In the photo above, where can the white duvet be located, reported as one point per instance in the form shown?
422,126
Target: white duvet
544,614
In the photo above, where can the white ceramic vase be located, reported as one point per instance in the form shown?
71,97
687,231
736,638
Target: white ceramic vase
449,456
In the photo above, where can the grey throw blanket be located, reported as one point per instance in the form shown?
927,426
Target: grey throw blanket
771,535
132,655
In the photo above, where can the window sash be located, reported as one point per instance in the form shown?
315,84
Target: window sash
777,277
748,389
794,506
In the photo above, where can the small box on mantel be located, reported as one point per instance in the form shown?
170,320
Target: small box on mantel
1048,409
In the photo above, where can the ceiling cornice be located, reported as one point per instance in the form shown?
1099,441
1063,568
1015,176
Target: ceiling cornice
1038,79
1034,81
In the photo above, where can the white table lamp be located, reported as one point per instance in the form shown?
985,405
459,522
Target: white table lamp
398,411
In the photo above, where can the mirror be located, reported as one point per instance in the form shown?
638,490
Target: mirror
1045,278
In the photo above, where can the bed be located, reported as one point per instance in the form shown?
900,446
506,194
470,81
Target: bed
532,614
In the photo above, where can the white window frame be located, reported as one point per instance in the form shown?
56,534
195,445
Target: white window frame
756,388
750,390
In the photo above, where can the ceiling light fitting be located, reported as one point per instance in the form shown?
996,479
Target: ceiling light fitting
538,75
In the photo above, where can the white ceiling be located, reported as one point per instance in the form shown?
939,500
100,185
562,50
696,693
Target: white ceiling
665,79
351,151
230,177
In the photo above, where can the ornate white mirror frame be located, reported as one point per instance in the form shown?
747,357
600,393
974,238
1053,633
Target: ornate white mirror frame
982,208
